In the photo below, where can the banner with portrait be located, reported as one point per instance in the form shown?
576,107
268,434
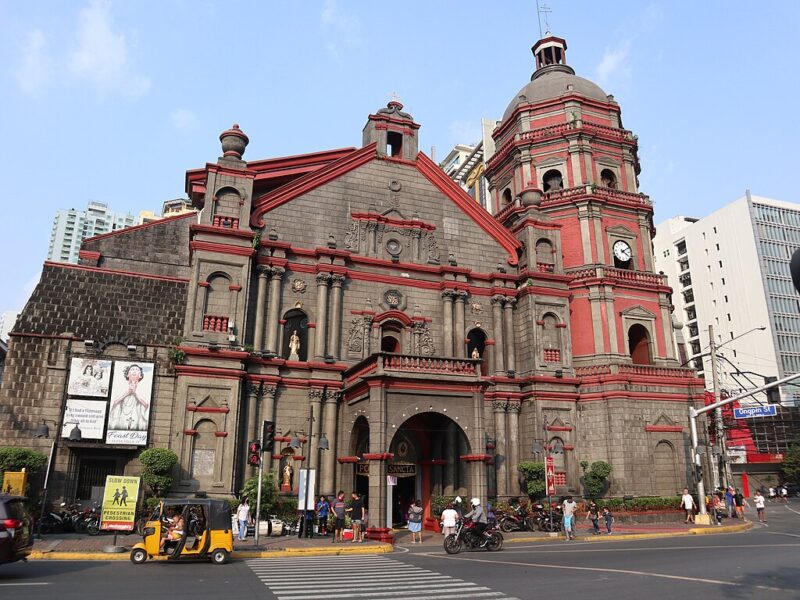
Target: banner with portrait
129,407
89,377
88,415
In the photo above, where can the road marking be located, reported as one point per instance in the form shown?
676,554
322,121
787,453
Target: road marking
781,533
594,548
619,572
331,578
793,510
20,584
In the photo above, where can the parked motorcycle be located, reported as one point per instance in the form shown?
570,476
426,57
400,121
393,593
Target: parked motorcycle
515,520
546,521
467,537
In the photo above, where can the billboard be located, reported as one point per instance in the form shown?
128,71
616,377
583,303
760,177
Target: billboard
88,415
89,377
119,503
129,409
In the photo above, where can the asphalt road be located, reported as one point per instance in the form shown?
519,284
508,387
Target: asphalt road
761,563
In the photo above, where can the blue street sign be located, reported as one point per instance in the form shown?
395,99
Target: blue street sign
755,411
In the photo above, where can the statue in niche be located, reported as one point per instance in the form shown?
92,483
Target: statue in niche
294,346
475,353
288,471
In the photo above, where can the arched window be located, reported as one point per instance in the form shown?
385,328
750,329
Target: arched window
217,303
557,452
666,480
608,179
551,339
204,450
391,336
476,347
507,197
226,209
295,335
545,258
553,180
639,345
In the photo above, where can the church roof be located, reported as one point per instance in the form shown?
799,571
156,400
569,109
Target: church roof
553,84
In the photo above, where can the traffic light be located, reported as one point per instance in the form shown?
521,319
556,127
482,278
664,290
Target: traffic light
268,435
773,393
254,458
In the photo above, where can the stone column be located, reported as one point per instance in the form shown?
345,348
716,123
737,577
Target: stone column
450,454
253,390
501,448
315,400
508,314
274,309
267,411
336,318
497,326
328,421
447,296
322,314
258,336
460,347
513,446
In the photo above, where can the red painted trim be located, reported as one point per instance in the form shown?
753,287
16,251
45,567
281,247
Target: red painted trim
461,199
393,314
192,371
222,248
568,447
277,456
559,428
203,284
313,180
208,409
284,438
379,456
348,459
89,254
313,159
190,432
295,457
227,231
401,223
664,428
221,353
48,263
103,236
475,457
221,434
235,288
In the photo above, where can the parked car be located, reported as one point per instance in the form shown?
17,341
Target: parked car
271,526
16,529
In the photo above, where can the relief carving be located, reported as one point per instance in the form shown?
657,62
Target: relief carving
426,345
355,339
352,239
433,249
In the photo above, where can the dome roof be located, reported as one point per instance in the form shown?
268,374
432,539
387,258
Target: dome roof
553,82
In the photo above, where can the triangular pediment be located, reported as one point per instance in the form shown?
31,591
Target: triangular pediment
664,420
638,312
620,230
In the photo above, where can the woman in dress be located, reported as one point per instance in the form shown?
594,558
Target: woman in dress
130,410
415,521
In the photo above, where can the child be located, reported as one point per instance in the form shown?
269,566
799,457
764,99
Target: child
608,518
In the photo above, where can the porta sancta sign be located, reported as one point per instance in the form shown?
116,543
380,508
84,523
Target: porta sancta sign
393,469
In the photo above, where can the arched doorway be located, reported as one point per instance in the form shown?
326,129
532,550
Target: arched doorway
639,345
296,324
391,336
427,448
665,480
476,348
359,444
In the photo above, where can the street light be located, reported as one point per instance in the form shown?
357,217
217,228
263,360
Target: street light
43,431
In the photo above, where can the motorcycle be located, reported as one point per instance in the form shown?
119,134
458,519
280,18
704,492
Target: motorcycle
516,520
545,521
467,536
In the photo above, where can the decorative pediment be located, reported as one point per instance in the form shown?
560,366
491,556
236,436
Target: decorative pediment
663,420
621,231
638,312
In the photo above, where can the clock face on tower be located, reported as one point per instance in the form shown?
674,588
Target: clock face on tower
622,251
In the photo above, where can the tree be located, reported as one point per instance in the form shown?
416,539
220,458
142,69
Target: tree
533,474
791,462
595,480
16,459
269,494
157,466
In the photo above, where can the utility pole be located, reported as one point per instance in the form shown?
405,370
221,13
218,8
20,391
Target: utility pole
722,465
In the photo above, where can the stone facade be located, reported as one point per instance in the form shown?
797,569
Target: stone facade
361,295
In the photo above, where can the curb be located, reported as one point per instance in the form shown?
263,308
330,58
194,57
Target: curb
642,536
287,552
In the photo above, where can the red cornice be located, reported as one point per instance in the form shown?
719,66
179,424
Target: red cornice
213,372
138,227
379,456
222,248
48,263
207,409
463,201
475,457
221,353
559,428
314,159
313,180
348,459
402,223
89,255
392,314
226,231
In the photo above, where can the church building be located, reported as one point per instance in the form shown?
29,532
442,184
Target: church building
412,342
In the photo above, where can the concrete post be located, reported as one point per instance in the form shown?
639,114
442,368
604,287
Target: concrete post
258,336
274,309
497,325
322,314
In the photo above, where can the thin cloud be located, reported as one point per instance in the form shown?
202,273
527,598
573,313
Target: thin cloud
101,54
614,64
342,28
183,119
35,69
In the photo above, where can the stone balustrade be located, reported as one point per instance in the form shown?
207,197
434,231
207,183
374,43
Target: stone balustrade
638,370
215,323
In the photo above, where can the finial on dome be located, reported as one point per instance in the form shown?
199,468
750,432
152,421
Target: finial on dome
234,141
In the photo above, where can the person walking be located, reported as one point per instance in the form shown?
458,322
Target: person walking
449,520
356,511
760,503
568,509
688,505
243,518
415,521
717,507
785,493
322,509
608,518
338,509
740,501
594,516
729,503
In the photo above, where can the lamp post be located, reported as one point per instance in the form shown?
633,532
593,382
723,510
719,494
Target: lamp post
322,445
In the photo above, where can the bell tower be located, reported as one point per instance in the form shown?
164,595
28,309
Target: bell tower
394,132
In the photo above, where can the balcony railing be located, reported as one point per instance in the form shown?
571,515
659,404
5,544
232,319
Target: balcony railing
390,363
226,222
639,370
638,277
214,323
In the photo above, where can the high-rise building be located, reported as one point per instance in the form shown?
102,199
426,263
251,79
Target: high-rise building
7,320
71,227
465,164
730,271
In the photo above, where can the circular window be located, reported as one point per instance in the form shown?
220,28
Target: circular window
394,247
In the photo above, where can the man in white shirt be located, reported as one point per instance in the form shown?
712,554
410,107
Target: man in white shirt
688,504
569,507
760,502
449,518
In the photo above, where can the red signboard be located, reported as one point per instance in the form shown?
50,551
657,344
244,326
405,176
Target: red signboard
550,476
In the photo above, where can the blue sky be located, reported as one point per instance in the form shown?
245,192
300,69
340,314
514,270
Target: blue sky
113,101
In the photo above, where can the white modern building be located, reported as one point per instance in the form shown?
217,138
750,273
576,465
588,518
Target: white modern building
730,271
71,227
7,320
465,164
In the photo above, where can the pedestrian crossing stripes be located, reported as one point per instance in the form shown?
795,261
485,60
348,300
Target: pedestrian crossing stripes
362,577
